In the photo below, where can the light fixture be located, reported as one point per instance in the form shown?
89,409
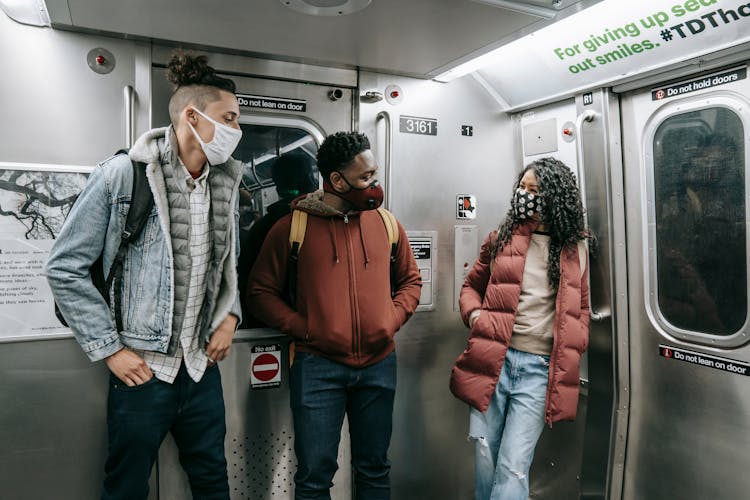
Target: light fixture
470,66
523,7
326,7
32,12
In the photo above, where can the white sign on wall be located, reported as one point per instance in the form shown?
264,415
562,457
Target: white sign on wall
34,201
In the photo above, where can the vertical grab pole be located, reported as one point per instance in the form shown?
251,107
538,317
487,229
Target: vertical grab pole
384,115
129,96
586,117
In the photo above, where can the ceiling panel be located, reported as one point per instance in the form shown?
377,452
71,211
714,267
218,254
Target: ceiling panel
412,37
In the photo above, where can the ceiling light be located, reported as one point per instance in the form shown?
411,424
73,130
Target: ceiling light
326,7
522,7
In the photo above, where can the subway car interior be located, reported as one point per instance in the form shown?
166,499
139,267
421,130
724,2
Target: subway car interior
647,102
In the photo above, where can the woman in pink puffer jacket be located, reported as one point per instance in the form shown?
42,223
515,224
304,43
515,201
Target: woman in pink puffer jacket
526,303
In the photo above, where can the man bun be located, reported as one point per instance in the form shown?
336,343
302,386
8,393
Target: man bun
184,70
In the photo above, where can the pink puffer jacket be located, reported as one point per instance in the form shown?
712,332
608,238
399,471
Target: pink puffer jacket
477,369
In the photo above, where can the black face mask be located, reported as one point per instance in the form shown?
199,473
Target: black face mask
525,205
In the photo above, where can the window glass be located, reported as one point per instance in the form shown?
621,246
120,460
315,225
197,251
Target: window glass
259,149
699,183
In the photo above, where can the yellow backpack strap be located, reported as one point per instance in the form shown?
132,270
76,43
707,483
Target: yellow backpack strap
296,238
391,227
297,231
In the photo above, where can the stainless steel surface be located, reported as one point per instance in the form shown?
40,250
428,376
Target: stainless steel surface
588,116
430,455
540,137
596,149
387,153
618,290
260,433
52,421
522,7
78,115
416,38
129,96
267,68
688,424
322,114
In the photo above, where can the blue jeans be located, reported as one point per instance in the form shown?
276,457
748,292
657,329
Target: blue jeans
138,420
506,434
322,391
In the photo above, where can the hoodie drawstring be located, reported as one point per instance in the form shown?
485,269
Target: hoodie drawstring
362,240
333,238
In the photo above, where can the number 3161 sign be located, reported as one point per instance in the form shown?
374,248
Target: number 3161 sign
416,125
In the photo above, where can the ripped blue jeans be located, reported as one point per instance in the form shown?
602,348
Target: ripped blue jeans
506,434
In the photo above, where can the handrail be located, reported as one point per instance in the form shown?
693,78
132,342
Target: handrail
129,95
588,117
388,152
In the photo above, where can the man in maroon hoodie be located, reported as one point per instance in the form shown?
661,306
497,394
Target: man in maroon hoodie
343,319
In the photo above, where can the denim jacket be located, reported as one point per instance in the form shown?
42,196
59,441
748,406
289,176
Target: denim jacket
94,226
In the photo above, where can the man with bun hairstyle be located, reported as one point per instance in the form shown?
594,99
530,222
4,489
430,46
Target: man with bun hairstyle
179,302
343,319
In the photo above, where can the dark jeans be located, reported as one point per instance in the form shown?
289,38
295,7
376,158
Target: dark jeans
138,420
322,391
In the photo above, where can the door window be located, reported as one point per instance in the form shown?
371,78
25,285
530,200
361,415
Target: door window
259,151
700,219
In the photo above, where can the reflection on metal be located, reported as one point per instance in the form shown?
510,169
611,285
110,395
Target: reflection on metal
31,12
522,7
384,115
371,96
587,117
326,7
129,95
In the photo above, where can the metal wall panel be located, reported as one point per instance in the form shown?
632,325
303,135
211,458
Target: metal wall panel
430,454
57,110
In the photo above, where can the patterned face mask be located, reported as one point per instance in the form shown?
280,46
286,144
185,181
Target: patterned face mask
526,204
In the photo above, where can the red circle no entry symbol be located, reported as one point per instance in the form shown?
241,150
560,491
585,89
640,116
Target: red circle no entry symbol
265,367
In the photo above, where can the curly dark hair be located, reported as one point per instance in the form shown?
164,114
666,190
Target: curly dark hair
195,83
562,212
185,69
338,150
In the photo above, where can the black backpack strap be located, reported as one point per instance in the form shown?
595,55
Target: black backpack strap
141,203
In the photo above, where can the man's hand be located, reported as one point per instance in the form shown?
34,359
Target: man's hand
129,367
221,340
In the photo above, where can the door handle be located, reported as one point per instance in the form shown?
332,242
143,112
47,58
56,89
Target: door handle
129,96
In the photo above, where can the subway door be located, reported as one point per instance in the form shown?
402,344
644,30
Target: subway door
436,143
686,184
277,118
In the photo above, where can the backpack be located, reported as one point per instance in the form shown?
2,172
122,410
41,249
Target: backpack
297,237
141,203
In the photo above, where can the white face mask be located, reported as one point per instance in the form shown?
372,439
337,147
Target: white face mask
222,145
